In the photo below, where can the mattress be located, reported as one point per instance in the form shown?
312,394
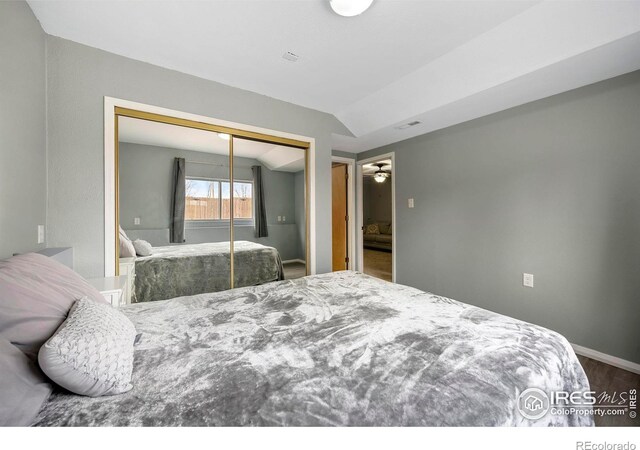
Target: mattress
339,349
189,269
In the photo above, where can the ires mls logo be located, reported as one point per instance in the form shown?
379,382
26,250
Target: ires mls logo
534,403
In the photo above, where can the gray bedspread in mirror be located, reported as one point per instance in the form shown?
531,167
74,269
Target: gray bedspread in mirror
333,349
190,269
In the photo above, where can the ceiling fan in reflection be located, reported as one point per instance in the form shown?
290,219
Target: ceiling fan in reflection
381,175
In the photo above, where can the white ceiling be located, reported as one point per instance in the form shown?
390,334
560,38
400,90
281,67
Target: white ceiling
439,62
145,132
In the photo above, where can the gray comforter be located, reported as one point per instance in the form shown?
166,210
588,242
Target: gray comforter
191,269
333,349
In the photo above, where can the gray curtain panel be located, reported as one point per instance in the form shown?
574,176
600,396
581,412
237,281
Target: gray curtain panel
178,201
258,198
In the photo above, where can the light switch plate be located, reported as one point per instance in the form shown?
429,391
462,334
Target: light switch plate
527,280
40,234
411,204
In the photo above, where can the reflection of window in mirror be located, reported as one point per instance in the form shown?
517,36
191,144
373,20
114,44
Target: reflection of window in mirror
242,200
202,199
210,200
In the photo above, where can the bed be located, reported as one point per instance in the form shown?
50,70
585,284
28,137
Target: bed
189,269
334,349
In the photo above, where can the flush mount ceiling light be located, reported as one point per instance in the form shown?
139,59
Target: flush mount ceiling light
224,136
290,56
380,175
350,8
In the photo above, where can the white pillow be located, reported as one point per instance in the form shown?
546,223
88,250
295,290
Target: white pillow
143,248
92,351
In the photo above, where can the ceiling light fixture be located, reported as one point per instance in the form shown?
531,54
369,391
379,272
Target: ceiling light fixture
350,8
380,175
290,56
224,136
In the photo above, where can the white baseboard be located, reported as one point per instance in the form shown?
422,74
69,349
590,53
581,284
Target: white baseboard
291,261
607,359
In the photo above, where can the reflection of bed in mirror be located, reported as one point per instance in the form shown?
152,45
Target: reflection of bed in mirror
190,269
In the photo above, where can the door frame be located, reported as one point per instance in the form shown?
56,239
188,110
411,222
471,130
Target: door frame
360,213
351,209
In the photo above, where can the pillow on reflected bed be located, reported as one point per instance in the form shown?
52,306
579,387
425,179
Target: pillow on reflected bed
36,294
143,248
92,351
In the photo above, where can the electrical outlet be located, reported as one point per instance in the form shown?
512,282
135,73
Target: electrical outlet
411,204
136,220
284,219
40,234
527,280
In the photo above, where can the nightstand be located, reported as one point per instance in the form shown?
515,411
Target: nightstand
128,269
111,288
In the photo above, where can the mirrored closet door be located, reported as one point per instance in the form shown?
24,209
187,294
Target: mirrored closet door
269,233
202,208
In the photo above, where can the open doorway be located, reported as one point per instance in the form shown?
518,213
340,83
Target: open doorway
376,246
342,213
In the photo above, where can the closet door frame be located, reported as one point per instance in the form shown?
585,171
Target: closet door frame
115,108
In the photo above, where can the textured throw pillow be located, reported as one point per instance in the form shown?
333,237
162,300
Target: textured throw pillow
23,387
143,248
92,351
127,250
36,294
373,229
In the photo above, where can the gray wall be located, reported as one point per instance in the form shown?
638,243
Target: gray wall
550,188
344,154
23,189
79,77
145,192
376,200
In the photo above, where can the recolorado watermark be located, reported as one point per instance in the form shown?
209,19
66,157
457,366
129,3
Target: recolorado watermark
534,403
589,445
